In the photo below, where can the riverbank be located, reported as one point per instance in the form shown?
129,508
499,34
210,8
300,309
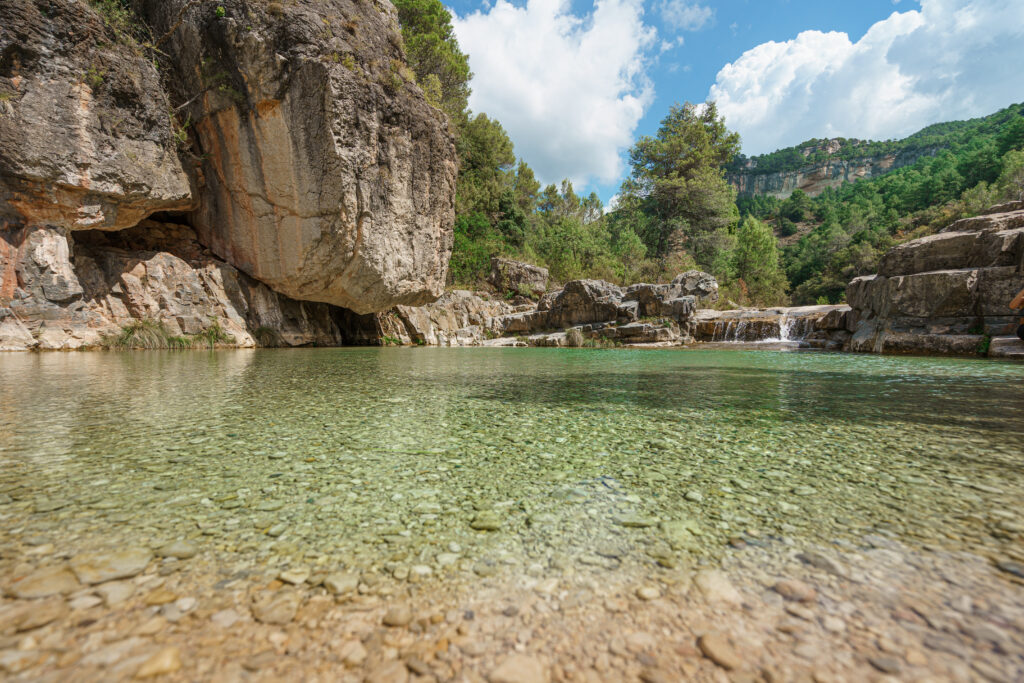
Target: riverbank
769,609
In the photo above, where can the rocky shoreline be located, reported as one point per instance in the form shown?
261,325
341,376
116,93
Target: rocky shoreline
770,609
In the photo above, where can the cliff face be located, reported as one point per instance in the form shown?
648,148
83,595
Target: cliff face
292,161
813,179
325,173
85,138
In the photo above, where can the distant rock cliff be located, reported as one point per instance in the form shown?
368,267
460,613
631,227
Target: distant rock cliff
815,177
286,152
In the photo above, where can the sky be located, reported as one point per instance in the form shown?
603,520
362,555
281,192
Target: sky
576,82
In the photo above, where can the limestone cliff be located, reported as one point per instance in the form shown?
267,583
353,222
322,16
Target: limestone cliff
85,137
290,161
325,173
814,178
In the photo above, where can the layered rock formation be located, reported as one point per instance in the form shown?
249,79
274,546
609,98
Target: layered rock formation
944,293
68,291
817,326
815,178
313,167
325,173
85,137
590,309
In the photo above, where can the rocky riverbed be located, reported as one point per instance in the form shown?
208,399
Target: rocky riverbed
403,514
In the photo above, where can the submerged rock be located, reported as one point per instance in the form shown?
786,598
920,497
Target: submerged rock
92,568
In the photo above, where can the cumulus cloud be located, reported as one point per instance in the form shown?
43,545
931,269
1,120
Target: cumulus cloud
952,59
683,15
569,89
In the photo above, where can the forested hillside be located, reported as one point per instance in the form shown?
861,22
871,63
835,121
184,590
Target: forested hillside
677,211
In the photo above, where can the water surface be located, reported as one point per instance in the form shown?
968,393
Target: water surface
364,457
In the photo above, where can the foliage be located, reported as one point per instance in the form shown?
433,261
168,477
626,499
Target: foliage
153,334
757,262
434,55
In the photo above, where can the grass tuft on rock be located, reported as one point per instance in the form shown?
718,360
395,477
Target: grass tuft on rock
153,334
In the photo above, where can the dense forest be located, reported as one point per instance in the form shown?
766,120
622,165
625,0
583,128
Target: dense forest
677,211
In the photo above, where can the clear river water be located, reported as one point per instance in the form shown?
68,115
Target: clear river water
492,459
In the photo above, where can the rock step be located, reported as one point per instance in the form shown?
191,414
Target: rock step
1006,347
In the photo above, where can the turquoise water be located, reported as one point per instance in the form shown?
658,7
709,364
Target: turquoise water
603,458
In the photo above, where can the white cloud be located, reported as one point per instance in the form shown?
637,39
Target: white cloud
569,90
951,59
684,15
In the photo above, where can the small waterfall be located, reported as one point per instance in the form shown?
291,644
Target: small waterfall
785,327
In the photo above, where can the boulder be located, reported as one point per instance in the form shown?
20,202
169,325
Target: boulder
584,301
86,141
324,173
942,293
515,276
699,284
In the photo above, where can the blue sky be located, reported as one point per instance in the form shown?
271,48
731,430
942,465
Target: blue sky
575,82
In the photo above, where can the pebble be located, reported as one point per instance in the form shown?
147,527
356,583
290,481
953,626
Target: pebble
487,520
391,672
165,661
116,592
85,602
182,550
226,618
44,582
279,608
694,496
295,576
794,590
1011,567
717,648
519,668
716,587
398,616
885,664
648,593
635,521
93,568
352,653
819,561
341,583
419,572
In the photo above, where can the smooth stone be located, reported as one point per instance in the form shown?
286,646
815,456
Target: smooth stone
1011,567
93,568
50,505
352,653
32,615
183,550
226,618
391,672
116,592
446,559
398,616
519,668
648,593
486,521
716,647
295,576
419,572
635,521
43,583
886,664
85,602
166,661
794,590
694,496
716,587
819,561
340,583
279,608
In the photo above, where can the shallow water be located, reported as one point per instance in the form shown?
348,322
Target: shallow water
606,458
